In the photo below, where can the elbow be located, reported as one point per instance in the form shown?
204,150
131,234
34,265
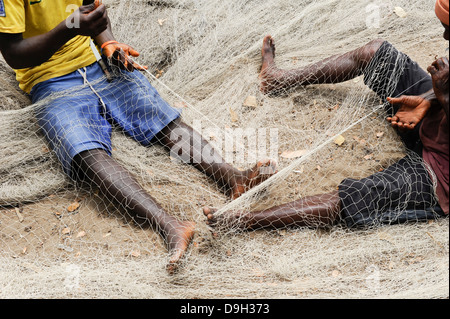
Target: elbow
14,62
21,54
18,64
10,47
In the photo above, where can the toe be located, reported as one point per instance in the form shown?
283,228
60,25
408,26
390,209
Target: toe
267,167
206,211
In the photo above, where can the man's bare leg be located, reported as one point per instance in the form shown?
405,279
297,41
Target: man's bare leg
313,211
116,183
334,69
190,146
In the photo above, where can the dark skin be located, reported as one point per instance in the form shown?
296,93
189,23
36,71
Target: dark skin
97,169
331,70
22,53
312,211
412,109
439,71
324,210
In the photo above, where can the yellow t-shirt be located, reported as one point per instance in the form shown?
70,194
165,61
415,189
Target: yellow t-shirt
35,17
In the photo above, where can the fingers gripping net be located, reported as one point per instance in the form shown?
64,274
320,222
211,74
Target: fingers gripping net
61,238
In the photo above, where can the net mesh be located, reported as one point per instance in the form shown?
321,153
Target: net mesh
60,239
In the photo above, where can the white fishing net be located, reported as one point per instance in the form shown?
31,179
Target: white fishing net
61,240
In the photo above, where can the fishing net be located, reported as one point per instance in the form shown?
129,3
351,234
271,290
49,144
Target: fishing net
63,240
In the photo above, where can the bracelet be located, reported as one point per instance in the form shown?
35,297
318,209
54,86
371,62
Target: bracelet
108,42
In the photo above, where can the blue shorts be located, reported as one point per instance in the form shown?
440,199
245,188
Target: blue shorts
74,118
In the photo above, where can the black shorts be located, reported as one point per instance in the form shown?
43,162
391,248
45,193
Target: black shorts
404,192
392,74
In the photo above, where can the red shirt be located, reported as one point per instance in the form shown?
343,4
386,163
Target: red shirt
434,135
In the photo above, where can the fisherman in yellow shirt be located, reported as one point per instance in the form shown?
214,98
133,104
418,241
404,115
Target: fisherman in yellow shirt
48,44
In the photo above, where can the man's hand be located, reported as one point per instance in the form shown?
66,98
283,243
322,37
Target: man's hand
439,74
121,55
89,20
412,109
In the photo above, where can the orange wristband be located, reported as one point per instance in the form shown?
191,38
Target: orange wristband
97,3
108,42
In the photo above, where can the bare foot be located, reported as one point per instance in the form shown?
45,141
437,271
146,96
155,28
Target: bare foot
268,53
236,220
253,177
178,239
269,74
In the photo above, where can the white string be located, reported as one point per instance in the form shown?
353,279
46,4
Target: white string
86,81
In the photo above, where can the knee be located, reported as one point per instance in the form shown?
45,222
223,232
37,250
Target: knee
87,161
90,156
369,50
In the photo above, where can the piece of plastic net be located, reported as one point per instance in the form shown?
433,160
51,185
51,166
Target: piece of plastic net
63,239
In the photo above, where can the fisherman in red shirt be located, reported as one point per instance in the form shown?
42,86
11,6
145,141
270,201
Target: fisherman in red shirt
410,190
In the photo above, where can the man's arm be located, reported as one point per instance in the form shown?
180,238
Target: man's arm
430,96
22,53
118,54
439,71
412,109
